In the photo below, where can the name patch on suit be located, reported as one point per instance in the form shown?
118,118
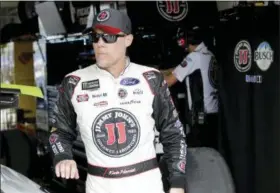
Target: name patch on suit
91,85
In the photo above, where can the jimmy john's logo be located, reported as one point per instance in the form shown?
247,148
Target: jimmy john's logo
103,16
172,10
242,56
116,132
91,85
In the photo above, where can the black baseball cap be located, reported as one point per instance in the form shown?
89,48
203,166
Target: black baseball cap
194,35
111,21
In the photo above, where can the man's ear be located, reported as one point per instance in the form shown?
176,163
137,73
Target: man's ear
128,40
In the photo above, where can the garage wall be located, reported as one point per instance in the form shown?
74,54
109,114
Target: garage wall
8,13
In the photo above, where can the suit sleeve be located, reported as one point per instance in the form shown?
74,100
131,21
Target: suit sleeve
171,131
63,121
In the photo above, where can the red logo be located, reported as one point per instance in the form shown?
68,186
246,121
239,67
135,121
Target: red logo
111,133
53,138
82,98
242,56
182,166
103,16
116,132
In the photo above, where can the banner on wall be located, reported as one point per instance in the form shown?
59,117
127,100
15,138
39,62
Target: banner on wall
250,97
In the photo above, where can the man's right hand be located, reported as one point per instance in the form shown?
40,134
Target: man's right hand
67,169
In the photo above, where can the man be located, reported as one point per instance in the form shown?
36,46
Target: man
199,71
116,104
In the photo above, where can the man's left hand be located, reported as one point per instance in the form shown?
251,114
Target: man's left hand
177,190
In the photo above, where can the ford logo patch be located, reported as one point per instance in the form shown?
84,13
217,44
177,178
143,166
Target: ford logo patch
129,81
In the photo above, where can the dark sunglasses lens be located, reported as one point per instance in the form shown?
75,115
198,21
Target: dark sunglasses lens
110,38
94,37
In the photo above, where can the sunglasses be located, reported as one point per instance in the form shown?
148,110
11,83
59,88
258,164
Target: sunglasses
107,38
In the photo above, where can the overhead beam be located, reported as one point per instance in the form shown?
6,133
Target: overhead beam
7,4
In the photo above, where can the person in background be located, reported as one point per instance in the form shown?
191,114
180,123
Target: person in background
198,71
116,105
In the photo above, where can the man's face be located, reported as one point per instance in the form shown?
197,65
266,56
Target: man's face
188,46
108,54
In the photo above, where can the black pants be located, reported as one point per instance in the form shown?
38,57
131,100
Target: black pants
205,135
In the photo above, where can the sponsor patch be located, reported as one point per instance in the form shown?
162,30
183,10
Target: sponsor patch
184,63
129,81
116,132
91,85
130,102
82,98
138,91
182,166
103,16
122,93
253,79
99,95
149,75
101,104
264,56
74,80
60,148
242,56
53,138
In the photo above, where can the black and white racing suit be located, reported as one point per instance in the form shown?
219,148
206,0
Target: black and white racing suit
117,118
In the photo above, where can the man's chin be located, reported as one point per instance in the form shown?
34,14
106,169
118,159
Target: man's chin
102,65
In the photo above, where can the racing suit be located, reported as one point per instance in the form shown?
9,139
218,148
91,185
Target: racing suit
116,118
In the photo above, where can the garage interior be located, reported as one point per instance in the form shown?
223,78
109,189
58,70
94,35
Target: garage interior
41,42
